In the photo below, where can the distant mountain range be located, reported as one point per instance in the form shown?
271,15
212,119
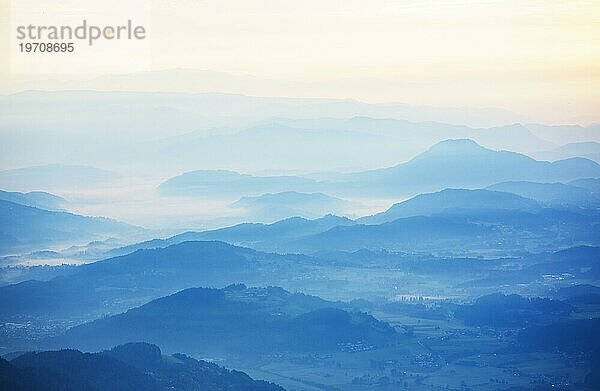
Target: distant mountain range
452,199
37,199
523,224
460,163
463,164
129,367
587,149
190,82
591,184
271,207
236,320
169,132
327,143
150,118
213,183
460,230
396,235
413,136
254,235
521,213
566,134
553,194
24,227
451,163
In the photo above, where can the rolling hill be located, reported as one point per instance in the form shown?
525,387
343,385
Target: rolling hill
235,320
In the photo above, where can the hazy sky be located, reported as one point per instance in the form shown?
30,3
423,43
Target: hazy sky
539,58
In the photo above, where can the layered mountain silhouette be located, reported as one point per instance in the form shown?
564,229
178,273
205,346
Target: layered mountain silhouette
235,320
326,143
464,164
459,229
37,199
115,284
271,207
558,194
410,137
24,227
458,163
396,235
170,116
591,184
588,149
486,217
452,199
255,235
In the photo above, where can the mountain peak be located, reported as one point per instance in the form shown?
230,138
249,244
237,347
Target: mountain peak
456,146
453,147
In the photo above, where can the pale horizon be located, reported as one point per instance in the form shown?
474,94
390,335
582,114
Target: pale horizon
539,59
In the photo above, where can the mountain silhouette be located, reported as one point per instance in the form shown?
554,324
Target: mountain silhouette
24,227
115,284
558,194
449,199
222,182
37,199
235,320
270,207
255,235
463,163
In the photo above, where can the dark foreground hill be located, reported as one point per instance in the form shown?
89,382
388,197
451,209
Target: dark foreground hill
498,310
568,335
130,367
235,320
